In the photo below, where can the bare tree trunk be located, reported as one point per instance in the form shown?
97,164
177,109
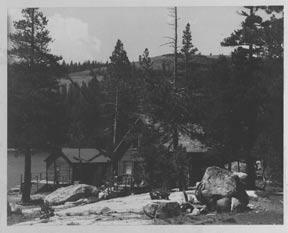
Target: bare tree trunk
32,40
251,45
175,46
115,118
251,173
27,176
55,172
264,165
175,138
250,161
115,163
186,68
27,167
230,166
175,131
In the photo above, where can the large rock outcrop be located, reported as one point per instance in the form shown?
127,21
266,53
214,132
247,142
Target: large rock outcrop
217,188
70,193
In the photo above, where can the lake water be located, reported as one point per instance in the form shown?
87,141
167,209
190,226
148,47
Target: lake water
15,166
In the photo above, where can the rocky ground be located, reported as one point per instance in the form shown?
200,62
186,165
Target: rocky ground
264,208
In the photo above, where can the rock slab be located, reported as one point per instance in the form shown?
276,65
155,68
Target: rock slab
162,210
70,194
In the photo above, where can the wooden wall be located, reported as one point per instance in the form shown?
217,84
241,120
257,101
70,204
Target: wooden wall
63,168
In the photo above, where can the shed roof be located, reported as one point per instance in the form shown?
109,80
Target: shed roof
132,154
191,145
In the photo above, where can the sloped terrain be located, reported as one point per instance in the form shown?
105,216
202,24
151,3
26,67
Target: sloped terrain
129,211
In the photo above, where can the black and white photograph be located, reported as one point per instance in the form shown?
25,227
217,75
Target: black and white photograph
144,115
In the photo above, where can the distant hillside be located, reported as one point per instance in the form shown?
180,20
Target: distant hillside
158,61
168,60
83,76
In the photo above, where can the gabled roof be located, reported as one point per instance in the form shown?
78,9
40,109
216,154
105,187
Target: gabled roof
125,142
85,155
191,145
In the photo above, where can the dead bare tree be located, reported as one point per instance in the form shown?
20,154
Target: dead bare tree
173,42
115,118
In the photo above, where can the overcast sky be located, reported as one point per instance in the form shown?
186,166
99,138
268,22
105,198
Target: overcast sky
91,33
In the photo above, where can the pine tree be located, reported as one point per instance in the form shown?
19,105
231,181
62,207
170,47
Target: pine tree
269,142
118,85
145,60
31,39
188,49
246,59
273,30
119,59
70,68
247,39
34,104
118,69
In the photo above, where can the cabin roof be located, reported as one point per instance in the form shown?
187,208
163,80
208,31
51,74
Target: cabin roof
83,155
91,155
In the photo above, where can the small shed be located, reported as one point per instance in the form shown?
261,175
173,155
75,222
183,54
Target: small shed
129,162
86,165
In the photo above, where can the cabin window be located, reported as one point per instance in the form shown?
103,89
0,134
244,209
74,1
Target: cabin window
127,168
